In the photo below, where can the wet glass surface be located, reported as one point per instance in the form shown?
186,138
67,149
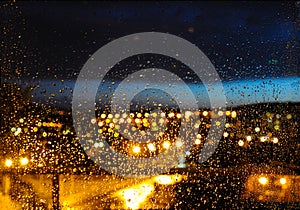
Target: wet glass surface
48,160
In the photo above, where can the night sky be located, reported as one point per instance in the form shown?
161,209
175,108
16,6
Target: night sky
244,40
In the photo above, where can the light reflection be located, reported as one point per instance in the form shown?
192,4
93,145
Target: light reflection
168,179
136,195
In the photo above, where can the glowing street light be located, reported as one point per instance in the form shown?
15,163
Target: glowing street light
8,163
166,144
136,149
24,161
151,147
282,181
263,180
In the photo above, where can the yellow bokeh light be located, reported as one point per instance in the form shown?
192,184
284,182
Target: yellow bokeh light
136,149
154,114
205,113
263,138
241,143
101,123
275,140
197,141
263,180
166,144
24,161
151,147
282,181
145,120
171,114
153,124
44,134
8,163
225,134
218,123
178,143
233,114
137,120
188,114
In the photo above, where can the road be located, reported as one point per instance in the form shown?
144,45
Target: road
88,192
76,191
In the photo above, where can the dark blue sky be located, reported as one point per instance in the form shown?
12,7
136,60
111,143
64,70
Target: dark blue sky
242,39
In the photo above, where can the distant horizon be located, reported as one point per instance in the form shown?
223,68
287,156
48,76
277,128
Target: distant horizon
238,92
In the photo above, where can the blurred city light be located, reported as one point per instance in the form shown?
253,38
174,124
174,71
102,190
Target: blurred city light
241,143
136,149
282,181
275,140
263,180
151,147
248,138
8,163
166,144
197,141
24,161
